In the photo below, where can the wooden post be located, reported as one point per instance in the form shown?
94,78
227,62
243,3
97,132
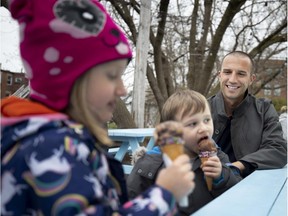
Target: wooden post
142,47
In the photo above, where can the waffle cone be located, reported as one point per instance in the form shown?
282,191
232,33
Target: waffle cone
209,180
173,150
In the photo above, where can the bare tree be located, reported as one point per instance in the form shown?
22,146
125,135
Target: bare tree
188,37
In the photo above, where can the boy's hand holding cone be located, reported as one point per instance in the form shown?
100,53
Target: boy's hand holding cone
207,149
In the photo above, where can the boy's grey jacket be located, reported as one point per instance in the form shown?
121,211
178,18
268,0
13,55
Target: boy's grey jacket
256,133
146,168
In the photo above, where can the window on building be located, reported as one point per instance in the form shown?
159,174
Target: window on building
267,90
9,80
18,80
277,90
7,93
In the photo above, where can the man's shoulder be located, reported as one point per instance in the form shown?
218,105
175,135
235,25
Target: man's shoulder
262,102
213,99
262,105
210,98
262,99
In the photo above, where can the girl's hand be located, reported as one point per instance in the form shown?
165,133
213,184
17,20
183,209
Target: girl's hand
212,167
178,177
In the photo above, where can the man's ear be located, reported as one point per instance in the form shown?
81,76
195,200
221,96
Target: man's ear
252,78
218,74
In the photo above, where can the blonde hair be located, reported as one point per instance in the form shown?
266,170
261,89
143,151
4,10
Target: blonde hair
79,111
283,109
185,101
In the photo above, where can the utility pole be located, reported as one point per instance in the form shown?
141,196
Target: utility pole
142,47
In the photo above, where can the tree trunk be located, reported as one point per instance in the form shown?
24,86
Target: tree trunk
122,117
142,47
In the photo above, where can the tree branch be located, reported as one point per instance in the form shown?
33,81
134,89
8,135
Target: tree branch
274,37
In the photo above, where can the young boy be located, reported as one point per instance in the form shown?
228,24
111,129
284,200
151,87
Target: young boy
192,110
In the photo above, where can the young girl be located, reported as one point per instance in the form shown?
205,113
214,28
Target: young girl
192,110
52,162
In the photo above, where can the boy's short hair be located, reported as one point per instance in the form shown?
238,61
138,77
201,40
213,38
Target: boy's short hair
185,101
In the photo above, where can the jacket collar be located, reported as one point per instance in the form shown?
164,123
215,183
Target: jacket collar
14,110
239,110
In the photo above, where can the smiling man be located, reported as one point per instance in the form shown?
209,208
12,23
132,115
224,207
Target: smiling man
246,128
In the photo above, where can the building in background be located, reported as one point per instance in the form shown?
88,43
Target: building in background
276,88
13,83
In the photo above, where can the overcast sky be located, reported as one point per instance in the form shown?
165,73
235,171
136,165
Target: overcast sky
9,55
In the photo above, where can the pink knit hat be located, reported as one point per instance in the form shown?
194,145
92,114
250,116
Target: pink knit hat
61,40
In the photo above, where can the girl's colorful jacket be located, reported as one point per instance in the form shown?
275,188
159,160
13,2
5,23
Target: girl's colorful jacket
50,166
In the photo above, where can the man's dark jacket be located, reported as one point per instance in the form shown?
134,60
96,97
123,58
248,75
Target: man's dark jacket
256,134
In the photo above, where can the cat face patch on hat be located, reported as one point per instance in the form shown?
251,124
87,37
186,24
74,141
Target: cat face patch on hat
61,40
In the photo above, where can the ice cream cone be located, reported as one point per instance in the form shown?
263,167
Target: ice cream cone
209,180
169,137
207,149
173,150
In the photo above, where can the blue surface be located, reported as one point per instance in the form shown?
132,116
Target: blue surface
262,193
280,206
